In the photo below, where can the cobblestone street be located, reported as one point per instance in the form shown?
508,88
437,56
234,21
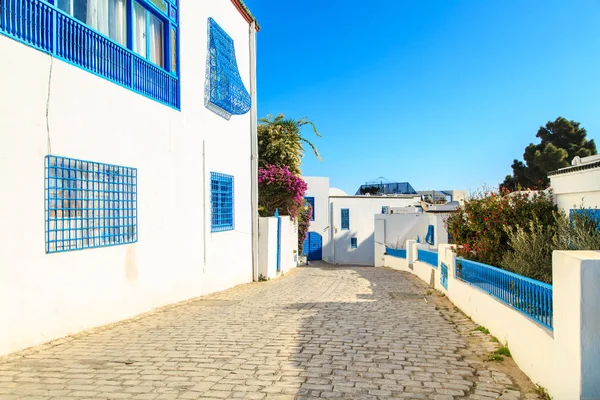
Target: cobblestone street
318,332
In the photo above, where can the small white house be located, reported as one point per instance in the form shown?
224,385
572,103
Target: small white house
578,185
127,131
353,225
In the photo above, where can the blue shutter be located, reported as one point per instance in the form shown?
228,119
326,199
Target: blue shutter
345,219
429,237
353,243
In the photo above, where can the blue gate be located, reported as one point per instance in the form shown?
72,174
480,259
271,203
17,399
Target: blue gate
444,276
313,247
278,240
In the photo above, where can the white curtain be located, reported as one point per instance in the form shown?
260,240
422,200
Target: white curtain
156,41
116,22
140,30
108,17
97,15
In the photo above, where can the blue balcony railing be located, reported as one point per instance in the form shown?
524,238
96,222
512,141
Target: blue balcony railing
428,256
398,253
43,26
532,298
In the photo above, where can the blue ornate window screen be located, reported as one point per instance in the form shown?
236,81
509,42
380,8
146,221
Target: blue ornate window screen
224,92
221,202
311,201
429,238
102,44
89,204
353,243
345,219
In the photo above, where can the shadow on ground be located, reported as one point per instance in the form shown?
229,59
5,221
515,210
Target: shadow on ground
319,332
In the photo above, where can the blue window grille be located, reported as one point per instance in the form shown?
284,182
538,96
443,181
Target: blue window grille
61,29
398,253
444,276
221,201
345,219
353,243
532,298
429,237
428,256
311,201
89,204
224,91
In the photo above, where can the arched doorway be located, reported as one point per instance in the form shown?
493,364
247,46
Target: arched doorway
313,247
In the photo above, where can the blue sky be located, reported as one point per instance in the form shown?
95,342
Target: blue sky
442,94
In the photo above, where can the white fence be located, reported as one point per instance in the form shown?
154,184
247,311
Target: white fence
277,254
566,359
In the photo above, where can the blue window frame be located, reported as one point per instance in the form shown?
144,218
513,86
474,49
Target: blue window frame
221,202
430,237
353,243
104,42
345,219
89,204
311,201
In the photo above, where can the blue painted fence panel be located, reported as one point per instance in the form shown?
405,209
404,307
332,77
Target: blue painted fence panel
398,253
532,298
428,256
444,276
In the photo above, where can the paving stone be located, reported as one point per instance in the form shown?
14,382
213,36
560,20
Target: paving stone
319,332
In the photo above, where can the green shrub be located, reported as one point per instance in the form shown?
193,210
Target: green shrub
482,329
503,351
530,250
480,227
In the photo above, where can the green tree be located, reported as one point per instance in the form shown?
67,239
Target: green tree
281,143
560,141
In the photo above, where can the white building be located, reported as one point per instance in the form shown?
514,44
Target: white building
578,185
125,188
343,230
353,221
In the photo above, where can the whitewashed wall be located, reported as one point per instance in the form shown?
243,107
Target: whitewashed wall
565,360
577,188
43,297
289,244
318,187
400,227
267,247
363,210
267,260
440,233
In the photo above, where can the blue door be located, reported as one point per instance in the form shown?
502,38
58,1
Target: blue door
313,247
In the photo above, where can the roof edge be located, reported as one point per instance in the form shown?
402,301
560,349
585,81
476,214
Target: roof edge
243,9
575,168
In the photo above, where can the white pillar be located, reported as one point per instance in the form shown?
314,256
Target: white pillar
411,252
379,242
576,303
